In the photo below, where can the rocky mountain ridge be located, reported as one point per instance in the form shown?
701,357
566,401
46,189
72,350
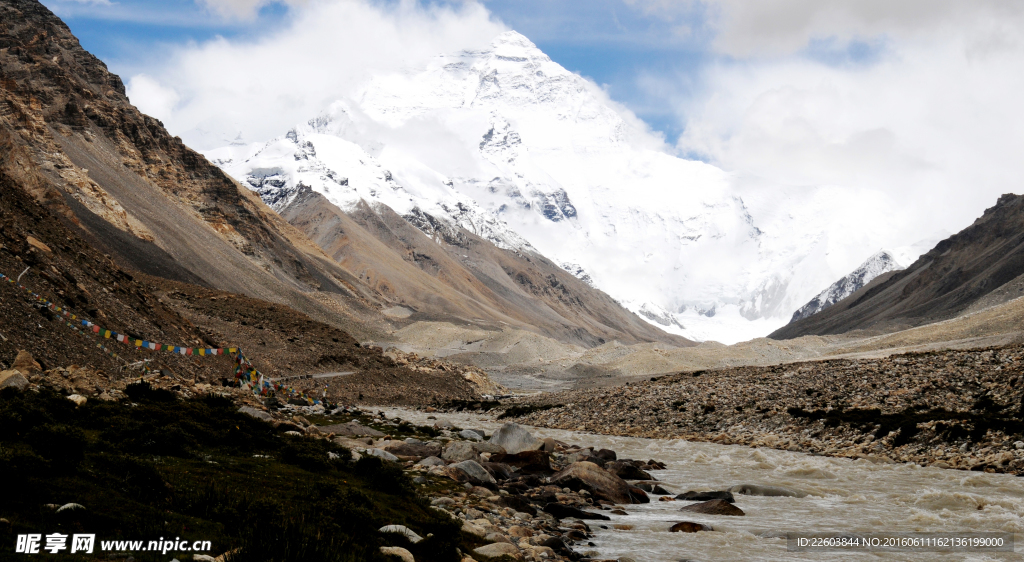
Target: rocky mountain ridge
881,262
975,265
127,186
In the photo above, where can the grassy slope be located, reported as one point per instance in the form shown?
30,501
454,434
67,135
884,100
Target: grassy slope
199,470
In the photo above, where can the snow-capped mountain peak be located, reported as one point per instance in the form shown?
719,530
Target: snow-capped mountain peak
881,262
508,144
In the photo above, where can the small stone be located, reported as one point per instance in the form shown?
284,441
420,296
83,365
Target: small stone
548,445
443,424
519,531
35,243
770,491
78,399
258,414
1018,445
382,454
470,434
498,549
398,551
497,537
431,461
623,527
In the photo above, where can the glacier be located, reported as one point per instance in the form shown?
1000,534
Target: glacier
506,143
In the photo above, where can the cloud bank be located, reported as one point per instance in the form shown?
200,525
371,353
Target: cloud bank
917,99
210,93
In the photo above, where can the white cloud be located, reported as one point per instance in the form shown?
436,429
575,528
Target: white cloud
784,26
211,92
931,118
158,99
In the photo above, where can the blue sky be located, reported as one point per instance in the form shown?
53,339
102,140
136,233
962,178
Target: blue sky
610,41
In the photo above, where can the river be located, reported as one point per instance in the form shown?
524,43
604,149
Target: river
846,496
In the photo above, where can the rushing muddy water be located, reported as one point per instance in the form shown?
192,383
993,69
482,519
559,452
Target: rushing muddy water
845,496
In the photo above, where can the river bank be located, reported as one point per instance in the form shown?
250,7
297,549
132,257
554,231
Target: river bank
844,495
949,409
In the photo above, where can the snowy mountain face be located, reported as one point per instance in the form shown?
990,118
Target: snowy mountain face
509,145
882,262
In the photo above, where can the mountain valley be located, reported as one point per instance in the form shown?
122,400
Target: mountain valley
489,236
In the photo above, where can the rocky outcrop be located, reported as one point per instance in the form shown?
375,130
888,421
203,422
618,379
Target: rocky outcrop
119,179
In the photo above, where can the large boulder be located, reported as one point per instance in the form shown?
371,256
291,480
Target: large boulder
351,429
772,491
627,470
514,439
526,461
498,470
491,448
421,450
561,511
653,488
13,378
457,451
472,470
469,450
26,364
714,507
606,454
689,527
706,496
600,483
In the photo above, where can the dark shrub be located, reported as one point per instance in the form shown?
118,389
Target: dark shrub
59,443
